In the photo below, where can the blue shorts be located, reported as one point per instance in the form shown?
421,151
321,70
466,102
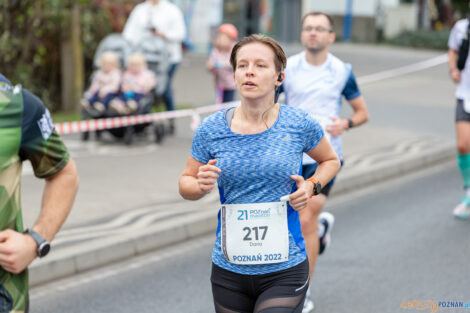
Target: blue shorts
309,169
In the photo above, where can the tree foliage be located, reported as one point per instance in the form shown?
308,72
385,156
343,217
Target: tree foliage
32,33
460,6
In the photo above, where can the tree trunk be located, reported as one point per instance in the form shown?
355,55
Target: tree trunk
72,63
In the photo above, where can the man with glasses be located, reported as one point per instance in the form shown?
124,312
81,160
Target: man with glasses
315,81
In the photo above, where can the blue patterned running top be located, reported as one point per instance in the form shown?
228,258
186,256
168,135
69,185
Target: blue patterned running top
256,168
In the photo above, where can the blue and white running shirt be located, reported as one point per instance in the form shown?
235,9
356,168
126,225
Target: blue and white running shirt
318,90
256,168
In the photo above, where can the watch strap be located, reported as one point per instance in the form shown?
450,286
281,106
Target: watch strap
316,186
43,245
350,123
313,180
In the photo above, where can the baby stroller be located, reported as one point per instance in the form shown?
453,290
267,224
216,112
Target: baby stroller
155,52
158,61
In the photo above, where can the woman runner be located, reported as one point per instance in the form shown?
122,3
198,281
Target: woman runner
253,152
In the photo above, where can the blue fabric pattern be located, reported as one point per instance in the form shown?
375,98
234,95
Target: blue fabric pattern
256,168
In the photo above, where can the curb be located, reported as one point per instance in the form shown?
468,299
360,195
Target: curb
77,259
352,180
85,256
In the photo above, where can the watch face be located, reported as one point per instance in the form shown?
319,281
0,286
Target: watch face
44,249
317,189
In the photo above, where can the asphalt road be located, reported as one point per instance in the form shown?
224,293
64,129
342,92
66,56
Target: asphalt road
392,242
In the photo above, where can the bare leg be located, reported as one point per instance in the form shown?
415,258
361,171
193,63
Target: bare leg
463,137
309,222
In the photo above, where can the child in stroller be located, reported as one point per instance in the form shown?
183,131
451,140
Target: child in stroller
156,55
104,86
137,83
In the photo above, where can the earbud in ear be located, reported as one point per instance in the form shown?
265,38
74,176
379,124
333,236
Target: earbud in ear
279,78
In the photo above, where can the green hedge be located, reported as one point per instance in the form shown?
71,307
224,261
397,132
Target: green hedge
430,39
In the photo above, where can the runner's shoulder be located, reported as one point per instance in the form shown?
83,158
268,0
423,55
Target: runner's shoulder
461,24
33,108
31,103
294,62
337,62
214,121
142,7
295,59
294,114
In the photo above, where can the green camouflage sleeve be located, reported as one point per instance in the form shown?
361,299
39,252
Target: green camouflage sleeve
40,143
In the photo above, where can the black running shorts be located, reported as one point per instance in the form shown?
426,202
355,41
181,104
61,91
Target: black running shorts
278,292
460,114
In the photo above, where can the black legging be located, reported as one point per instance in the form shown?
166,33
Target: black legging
278,292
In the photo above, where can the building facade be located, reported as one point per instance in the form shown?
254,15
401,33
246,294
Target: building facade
371,19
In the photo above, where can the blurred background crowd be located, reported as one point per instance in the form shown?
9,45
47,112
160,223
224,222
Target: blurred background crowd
49,46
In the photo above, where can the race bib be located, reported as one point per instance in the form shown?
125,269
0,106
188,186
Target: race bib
255,233
466,105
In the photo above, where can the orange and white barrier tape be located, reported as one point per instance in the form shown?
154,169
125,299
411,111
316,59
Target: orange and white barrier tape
123,121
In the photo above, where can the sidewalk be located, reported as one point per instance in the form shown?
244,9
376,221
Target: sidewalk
134,207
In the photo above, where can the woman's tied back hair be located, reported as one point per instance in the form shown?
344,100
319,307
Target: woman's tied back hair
280,59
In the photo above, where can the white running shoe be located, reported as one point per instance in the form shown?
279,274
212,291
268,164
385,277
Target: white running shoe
328,220
462,211
309,306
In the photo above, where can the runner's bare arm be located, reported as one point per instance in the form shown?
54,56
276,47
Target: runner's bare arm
328,166
452,61
361,114
57,200
327,159
18,250
198,179
359,117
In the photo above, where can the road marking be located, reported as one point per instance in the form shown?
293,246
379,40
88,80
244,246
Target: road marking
128,222
413,146
400,71
133,263
340,201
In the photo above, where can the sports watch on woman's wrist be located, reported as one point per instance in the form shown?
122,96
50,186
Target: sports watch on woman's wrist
316,186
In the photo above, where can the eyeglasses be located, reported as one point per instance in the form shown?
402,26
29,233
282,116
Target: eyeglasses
319,29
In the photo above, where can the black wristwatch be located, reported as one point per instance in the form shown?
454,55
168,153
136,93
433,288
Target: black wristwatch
43,245
316,186
350,123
